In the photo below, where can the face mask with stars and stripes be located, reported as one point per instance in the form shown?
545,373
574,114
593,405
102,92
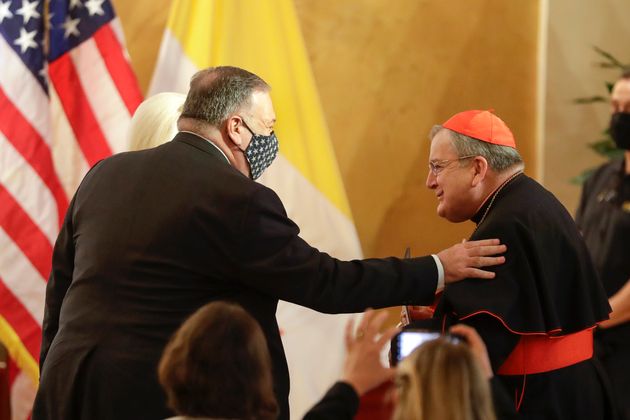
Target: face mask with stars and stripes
261,152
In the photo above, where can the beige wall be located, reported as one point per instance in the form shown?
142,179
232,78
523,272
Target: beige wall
386,72
574,27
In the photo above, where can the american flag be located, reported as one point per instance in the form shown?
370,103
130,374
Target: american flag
67,92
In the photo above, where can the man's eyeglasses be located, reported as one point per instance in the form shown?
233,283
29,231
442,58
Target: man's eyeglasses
437,166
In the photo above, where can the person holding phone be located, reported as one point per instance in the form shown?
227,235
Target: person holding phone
446,379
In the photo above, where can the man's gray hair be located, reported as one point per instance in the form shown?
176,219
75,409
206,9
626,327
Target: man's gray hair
218,92
499,157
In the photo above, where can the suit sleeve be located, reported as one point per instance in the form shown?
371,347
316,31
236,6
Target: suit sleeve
341,402
58,283
274,260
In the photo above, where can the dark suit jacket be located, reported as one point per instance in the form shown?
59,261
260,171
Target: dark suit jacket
341,402
150,237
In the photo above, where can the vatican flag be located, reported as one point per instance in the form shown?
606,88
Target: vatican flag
264,37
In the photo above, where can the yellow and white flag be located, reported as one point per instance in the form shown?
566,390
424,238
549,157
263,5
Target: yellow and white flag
264,37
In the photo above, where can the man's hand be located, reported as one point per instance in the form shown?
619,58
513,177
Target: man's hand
363,368
465,260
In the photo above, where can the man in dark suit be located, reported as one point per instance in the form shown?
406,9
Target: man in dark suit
151,236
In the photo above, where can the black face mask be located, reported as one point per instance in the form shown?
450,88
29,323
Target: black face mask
620,129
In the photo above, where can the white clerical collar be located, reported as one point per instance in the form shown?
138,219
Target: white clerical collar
209,141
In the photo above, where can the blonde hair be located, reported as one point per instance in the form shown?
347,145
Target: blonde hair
442,380
155,120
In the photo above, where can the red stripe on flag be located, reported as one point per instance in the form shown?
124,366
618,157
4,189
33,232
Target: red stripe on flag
28,329
34,149
25,233
66,82
119,68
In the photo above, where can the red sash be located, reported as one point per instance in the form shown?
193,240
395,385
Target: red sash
542,353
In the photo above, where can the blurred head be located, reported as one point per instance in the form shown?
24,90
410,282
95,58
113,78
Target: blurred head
238,105
217,365
620,107
463,170
155,120
442,380
620,94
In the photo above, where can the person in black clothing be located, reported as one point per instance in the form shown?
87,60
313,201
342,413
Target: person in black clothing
537,316
603,217
150,236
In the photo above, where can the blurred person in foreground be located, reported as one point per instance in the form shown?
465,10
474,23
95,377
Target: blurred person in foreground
537,317
150,236
604,219
217,365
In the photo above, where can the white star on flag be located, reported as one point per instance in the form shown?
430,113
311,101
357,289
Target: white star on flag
44,71
95,7
70,27
26,40
4,10
28,10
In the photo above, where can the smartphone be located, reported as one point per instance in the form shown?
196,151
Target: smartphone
405,342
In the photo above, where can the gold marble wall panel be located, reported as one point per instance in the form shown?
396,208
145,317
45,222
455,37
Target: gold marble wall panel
143,23
386,72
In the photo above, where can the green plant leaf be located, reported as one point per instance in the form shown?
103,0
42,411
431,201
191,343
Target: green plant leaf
609,57
602,147
590,99
606,65
581,178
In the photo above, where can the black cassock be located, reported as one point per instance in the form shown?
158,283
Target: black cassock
548,287
604,219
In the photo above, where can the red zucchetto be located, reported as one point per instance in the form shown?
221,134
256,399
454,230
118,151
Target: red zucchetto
481,125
